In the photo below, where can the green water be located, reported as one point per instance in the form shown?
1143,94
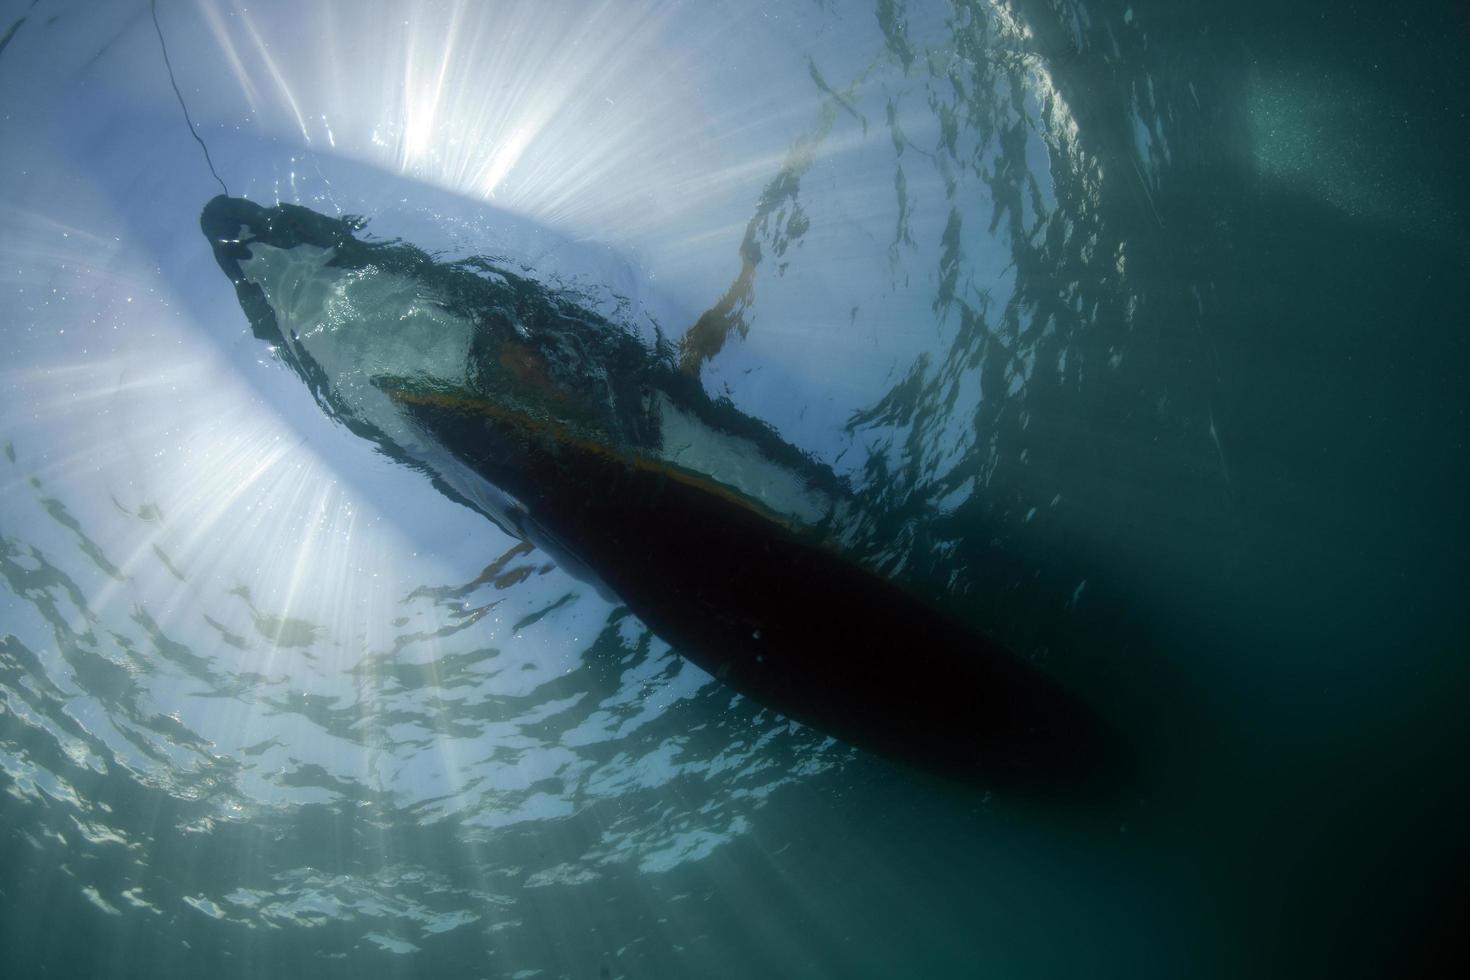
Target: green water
1135,327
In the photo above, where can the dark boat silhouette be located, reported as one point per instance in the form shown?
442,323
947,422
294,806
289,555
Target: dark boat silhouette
522,402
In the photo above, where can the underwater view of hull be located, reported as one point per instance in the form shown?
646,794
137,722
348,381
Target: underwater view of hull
760,600
782,619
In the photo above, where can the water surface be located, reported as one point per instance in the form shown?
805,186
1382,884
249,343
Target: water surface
1132,329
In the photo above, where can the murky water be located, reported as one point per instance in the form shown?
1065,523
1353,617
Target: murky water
1127,334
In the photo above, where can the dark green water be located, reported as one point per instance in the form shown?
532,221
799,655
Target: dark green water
1136,327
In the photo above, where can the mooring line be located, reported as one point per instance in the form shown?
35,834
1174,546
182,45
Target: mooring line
153,9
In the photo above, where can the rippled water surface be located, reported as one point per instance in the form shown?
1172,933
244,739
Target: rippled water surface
1129,334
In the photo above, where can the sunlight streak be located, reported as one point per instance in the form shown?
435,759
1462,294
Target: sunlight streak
222,37
275,71
584,116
